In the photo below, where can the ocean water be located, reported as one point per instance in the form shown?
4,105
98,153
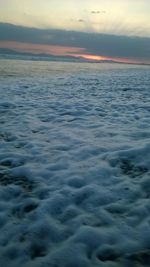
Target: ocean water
74,164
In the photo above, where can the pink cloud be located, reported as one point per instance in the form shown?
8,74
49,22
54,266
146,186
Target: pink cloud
58,51
41,48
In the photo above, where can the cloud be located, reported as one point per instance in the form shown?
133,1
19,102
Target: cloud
106,45
81,20
98,12
41,48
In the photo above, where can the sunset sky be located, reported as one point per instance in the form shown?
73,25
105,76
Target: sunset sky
94,29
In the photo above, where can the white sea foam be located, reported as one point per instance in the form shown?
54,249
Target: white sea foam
74,165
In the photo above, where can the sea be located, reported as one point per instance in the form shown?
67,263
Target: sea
74,164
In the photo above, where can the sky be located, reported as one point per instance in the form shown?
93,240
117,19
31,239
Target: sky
95,29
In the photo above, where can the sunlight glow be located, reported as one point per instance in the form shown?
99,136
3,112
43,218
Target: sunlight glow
92,57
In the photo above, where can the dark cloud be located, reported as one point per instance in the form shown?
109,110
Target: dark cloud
137,48
81,20
98,11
